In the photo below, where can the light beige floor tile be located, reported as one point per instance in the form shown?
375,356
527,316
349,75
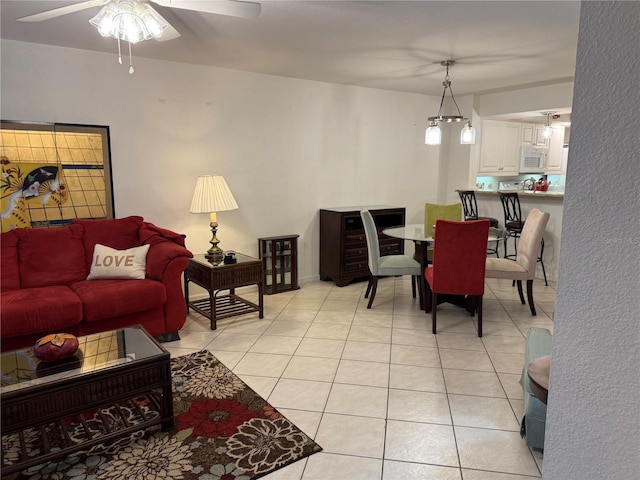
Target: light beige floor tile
503,344
362,333
466,382
262,364
263,386
288,329
412,471
369,319
276,344
483,475
320,347
495,450
296,315
367,351
460,341
333,331
178,352
507,362
349,435
328,466
357,400
306,421
311,368
409,377
412,406
518,408
236,342
328,317
465,360
292,471
500,328
229,359
194,339
511,384
421,443
483,412
306,303
355,372
417,321
300,394
420,338
333,305
249,325
412,355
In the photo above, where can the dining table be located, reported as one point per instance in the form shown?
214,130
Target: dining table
416,233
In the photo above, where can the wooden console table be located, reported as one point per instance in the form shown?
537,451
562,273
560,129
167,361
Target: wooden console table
216,279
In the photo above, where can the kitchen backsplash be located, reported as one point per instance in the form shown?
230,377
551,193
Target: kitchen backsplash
515,183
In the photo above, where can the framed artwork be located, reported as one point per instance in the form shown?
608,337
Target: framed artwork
53,173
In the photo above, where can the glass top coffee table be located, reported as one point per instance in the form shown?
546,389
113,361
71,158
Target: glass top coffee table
118,382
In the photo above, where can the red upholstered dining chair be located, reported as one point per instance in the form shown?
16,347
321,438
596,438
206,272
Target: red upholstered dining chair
459,259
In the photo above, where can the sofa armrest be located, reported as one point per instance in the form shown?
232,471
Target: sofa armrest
161,255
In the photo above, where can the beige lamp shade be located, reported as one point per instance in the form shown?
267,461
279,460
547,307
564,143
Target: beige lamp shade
212,195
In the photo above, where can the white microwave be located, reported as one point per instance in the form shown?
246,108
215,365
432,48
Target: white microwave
533,160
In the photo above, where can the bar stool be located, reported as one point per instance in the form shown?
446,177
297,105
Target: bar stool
470,210
513,225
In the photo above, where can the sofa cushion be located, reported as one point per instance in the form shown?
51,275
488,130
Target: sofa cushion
10,271
118,233
103,299
109,263
44,309
51,256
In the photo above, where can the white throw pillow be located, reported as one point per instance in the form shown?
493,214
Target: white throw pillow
109,263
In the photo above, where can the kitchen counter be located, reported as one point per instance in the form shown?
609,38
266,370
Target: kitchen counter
524,193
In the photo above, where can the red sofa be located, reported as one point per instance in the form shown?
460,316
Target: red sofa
44,287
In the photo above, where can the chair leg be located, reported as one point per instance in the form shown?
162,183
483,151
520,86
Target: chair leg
519,282
366,294
434,308
479,300
414,280
542,263
374,287
532,307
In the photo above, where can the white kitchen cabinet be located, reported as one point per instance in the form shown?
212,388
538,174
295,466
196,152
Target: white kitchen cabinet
500,148
556,161
532,135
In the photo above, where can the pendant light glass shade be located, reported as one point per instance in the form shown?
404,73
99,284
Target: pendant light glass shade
128,20
468,135
547,130
433,135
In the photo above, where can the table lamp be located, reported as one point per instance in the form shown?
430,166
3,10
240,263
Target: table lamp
212,195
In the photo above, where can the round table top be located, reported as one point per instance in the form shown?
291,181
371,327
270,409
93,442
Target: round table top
415,232
538,371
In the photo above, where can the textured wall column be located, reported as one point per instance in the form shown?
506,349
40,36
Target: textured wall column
594,402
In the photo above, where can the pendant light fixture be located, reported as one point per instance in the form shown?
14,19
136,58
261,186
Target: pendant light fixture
547,130
128,20
433,134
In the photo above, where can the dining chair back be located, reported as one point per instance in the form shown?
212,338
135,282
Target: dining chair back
434,211
470,207
524,267
459,262
383,266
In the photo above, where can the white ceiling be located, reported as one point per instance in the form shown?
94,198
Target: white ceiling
392,45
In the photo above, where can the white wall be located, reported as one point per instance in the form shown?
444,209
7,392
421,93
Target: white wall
286,147
594,395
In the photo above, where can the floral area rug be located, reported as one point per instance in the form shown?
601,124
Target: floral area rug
223,431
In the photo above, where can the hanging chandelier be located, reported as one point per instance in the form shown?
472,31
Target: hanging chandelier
128,20
433,134
547,131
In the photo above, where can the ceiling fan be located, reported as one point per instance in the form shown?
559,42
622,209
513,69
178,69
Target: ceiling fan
233,8
136,20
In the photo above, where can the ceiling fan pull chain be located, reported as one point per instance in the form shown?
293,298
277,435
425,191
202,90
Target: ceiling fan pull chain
119,52
130,61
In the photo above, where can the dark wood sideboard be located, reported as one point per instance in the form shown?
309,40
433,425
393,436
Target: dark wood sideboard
343,245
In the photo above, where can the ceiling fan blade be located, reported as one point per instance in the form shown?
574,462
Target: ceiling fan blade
58,12
232,8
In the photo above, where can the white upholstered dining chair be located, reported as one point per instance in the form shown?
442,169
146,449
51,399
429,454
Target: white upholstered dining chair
383,266
524,267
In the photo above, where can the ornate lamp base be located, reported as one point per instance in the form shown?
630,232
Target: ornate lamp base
215,253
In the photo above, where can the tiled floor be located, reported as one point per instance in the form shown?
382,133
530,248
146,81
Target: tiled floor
383,396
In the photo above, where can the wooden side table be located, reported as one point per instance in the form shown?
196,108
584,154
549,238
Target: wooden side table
280,263
217,279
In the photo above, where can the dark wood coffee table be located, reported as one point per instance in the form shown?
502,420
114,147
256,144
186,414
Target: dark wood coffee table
64,407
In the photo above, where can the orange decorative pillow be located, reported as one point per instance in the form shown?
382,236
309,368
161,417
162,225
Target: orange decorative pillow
56,346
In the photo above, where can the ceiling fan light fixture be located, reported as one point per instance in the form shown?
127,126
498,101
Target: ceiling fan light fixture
128,20
468,133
